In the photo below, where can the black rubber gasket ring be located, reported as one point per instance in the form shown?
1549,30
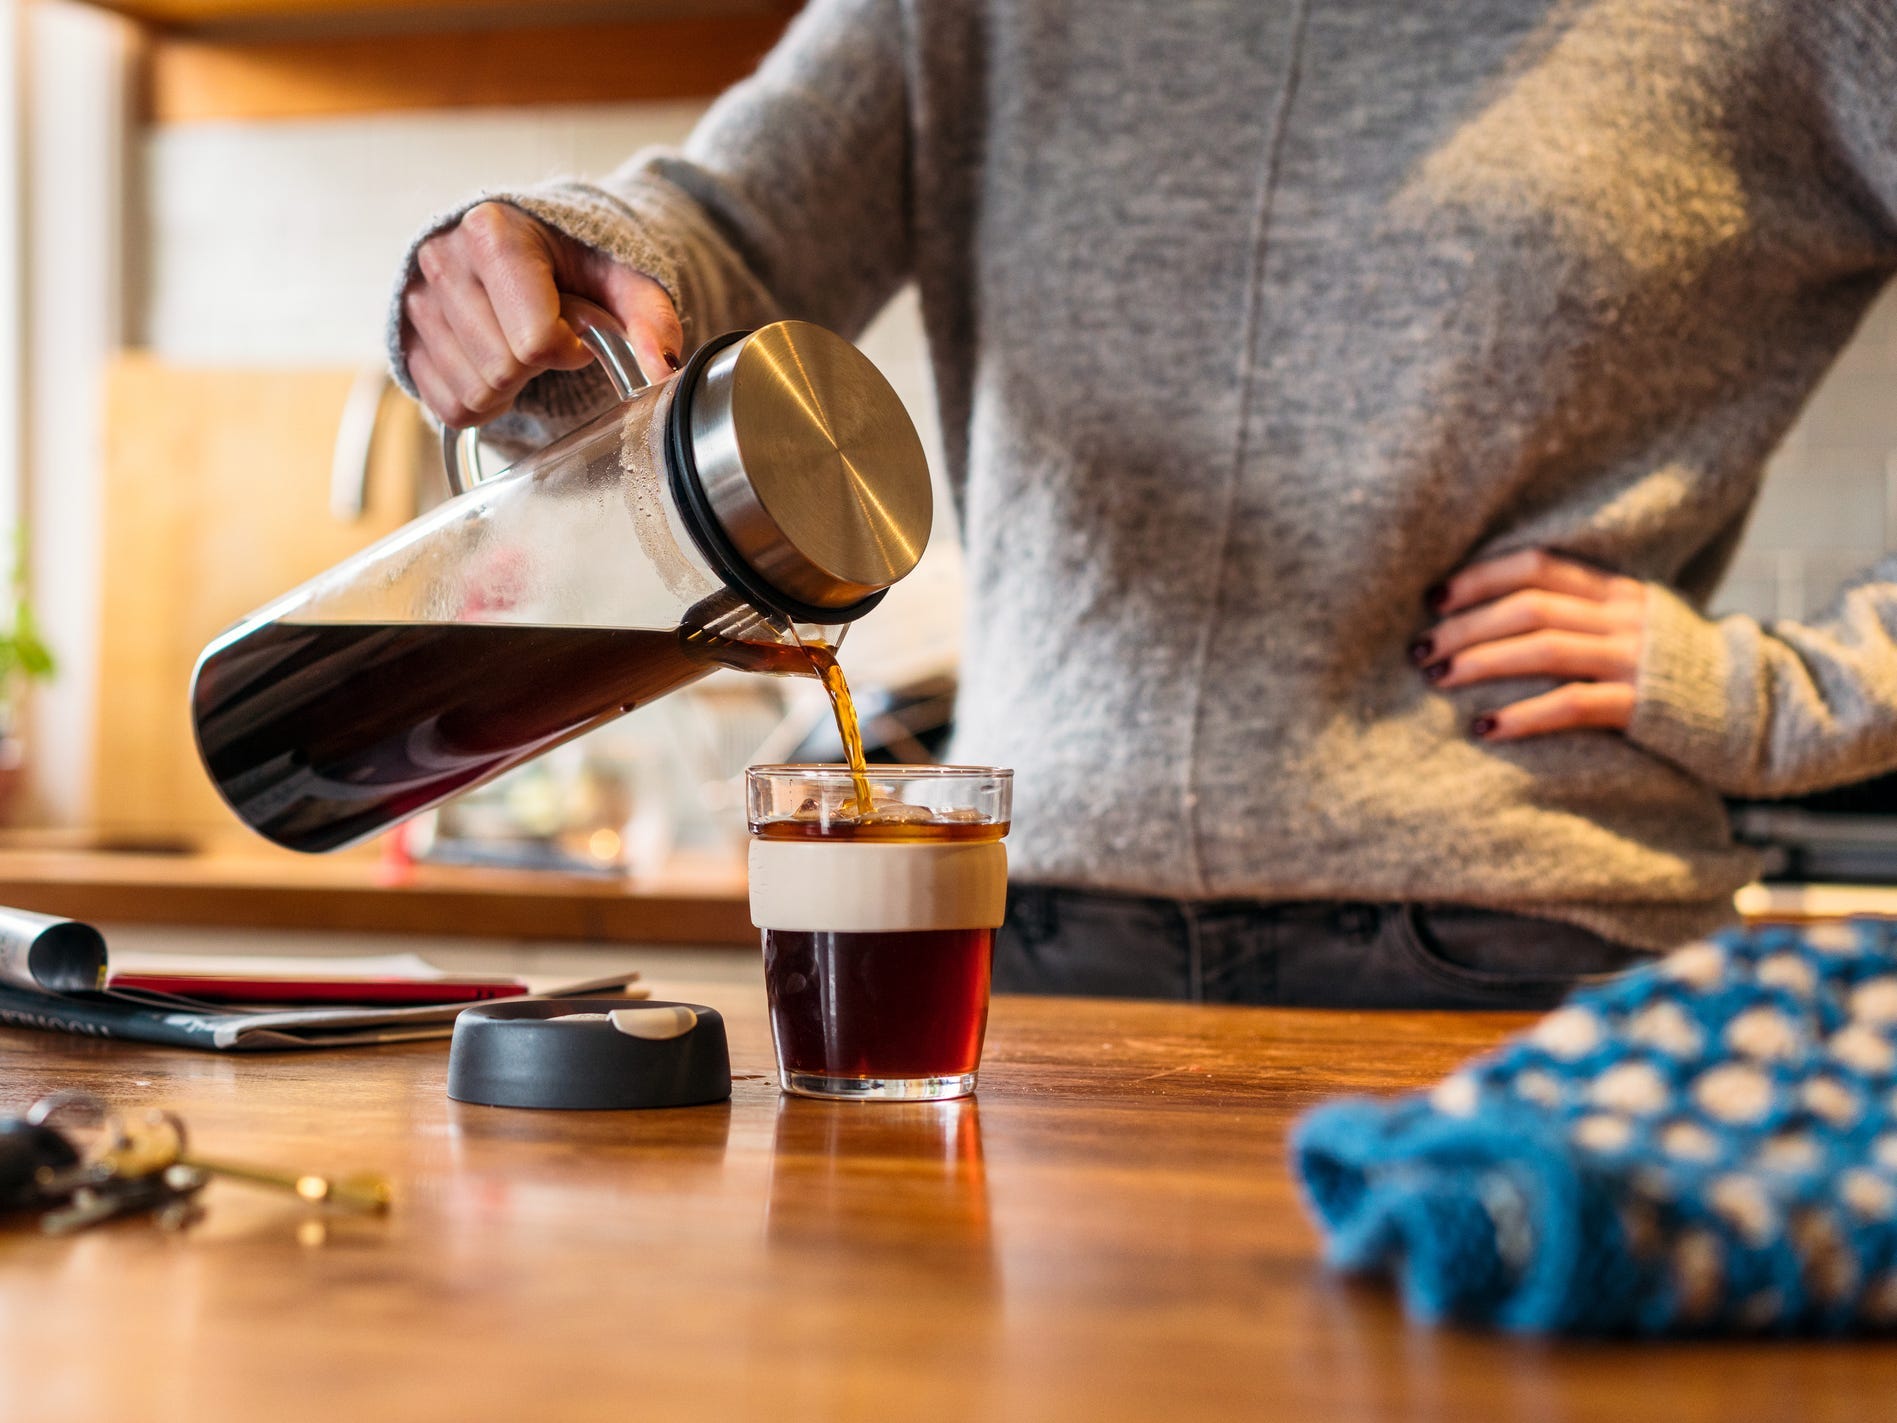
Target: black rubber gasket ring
520,1052
688,492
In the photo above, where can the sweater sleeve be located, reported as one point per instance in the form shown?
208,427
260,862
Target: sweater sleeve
790,199
1785,708
1773,709
1842,81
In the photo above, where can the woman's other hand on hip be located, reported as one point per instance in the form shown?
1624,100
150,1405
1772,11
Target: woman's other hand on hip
1535,614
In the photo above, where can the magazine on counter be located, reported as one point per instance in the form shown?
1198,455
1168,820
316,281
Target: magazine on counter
53,975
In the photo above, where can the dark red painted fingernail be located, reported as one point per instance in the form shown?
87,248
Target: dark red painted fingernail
1482,726
671,358
1436,595
1420,650
1436,671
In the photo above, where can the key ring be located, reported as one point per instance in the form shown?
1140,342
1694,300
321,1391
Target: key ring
118,1135
165,1117
38,1114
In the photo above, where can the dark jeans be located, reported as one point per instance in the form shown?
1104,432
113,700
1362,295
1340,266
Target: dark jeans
1321,954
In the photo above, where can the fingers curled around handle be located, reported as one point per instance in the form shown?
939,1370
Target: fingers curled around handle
645,309
482,315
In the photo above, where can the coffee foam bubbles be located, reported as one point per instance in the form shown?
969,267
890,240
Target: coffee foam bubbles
846,887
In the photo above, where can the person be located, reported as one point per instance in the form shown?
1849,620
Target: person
1350,411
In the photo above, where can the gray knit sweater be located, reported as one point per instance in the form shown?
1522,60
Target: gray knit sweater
1252,320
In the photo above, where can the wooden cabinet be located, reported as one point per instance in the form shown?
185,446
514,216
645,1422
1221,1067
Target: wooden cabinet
272,59
217,499
419,14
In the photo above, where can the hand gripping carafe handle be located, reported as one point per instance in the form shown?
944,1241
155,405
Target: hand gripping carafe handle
599,329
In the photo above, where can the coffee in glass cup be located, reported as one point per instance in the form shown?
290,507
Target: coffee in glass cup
878,923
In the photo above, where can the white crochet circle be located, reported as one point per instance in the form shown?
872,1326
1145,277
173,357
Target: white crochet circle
1764,1033
1875,1001
1743,1202
1789,972
1569,1033
1837,939
1633,1087
1538,1087
1831,1099
1868,1195
1664,1025
1864,1048
1603,1131
1456,1096
1790,1151
1689,1141
1702,965
1734,1092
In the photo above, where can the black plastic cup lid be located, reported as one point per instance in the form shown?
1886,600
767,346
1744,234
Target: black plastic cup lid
589,1053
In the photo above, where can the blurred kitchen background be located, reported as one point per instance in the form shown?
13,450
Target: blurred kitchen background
215,195
211,197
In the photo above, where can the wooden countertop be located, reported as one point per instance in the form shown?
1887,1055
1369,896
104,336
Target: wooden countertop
692,901
1108,1232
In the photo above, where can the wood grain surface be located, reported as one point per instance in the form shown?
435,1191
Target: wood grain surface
690,901
216,501
1108,1232
199,78
409,15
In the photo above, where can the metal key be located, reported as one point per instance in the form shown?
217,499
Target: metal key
147,1168
168,1196
137,1173
130,1154
362,1191
165,1144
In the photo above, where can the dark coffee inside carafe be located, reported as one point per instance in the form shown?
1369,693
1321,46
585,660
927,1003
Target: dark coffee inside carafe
323,734
636,553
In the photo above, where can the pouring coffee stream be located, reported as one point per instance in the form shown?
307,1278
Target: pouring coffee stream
729,516
721,626
823,661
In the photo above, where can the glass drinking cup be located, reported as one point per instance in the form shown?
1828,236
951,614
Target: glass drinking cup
878,927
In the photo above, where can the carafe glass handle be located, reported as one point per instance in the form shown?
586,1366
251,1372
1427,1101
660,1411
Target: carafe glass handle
599,329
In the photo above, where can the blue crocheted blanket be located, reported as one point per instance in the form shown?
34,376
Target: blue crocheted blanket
1708,1144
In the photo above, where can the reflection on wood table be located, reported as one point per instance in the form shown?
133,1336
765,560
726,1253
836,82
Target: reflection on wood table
1108,1232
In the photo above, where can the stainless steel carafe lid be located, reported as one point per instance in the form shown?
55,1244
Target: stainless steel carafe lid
791,453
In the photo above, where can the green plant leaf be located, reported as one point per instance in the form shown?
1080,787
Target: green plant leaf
23,653
35,657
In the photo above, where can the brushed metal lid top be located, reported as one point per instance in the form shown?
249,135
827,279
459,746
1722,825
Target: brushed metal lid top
810,465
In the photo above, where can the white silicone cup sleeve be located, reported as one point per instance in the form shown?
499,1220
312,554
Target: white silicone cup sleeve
843,887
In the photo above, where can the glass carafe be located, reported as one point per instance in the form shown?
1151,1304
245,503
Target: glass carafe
773,486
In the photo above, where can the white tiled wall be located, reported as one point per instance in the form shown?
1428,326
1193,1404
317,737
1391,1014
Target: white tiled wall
276,242
1829,506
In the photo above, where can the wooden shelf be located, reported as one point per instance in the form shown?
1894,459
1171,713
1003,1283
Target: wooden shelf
413,14
280,59
691,902
196,78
